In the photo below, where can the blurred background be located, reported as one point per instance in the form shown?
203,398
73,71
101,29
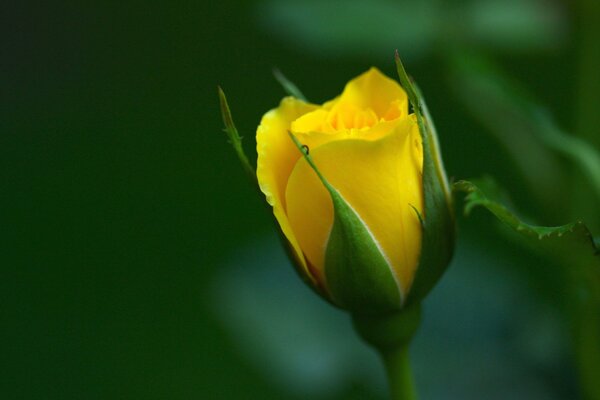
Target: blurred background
138,262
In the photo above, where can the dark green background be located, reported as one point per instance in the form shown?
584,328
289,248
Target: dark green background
120,197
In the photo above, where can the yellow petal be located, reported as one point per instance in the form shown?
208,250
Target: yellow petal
315,121
381,180
277,156
367,100
314,139
375,91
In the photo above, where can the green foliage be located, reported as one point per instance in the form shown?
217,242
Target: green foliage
574,255
570,244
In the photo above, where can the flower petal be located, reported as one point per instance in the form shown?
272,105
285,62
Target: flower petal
367,100
376,91
381,180
317,139
277,156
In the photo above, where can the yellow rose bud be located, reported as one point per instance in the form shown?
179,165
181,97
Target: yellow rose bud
362,168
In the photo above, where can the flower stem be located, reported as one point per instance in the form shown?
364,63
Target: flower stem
400,377
390,335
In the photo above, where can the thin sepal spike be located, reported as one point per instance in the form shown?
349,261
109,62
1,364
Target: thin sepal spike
437,219
289,86
406,82
234,137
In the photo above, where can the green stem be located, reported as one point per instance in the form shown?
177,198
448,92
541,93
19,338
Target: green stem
400,377
390,335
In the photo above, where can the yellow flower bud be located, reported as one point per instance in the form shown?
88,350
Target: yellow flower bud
368,149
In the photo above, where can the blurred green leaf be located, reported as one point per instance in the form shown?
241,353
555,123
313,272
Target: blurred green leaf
507,112
355,27
514,25
577,150
528,131
414,27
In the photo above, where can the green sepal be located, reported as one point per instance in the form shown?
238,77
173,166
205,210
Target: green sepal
437,221
289,86
388,331
234,137
236,141
358,276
